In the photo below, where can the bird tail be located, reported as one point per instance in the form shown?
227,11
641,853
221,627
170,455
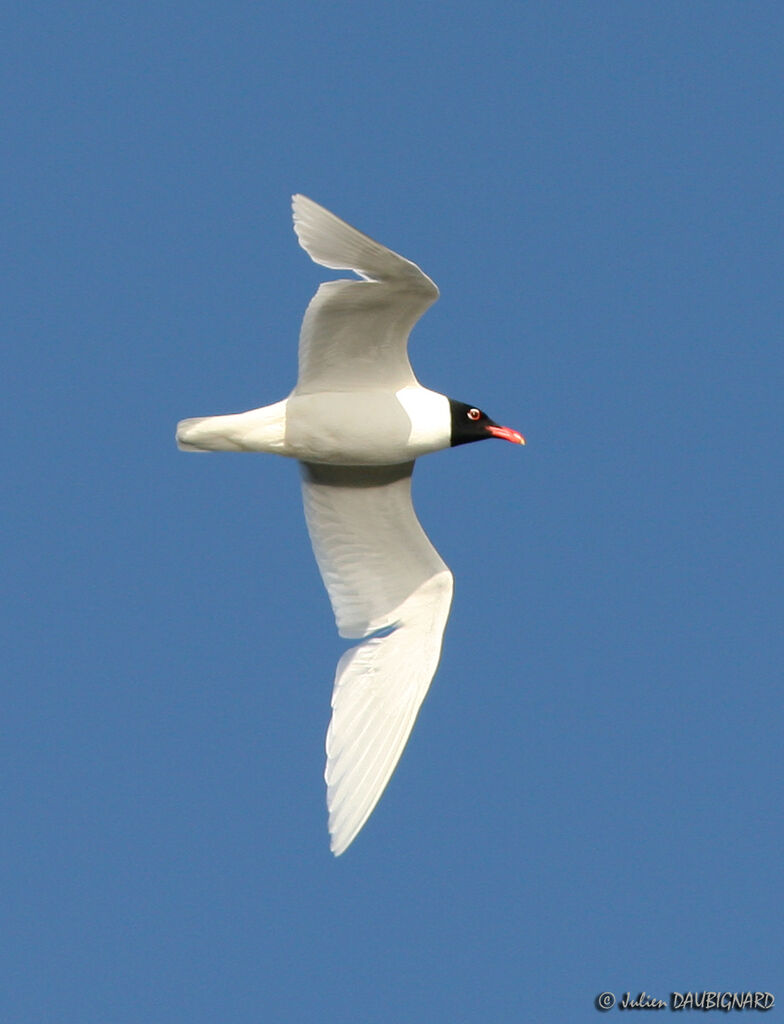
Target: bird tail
195,435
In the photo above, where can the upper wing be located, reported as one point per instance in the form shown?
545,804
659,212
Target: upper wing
381,572
354,333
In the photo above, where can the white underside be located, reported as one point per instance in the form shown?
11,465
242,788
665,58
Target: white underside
327,437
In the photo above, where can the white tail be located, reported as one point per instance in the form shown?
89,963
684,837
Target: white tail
260,430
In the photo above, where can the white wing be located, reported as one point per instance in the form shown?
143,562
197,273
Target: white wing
381,572
355,333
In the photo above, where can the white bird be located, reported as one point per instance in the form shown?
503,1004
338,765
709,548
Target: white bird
357,419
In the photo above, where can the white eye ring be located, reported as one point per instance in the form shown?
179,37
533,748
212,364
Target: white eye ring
474,414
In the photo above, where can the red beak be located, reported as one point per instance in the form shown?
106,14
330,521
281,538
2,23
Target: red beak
507,434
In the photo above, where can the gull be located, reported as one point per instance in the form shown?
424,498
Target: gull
356,421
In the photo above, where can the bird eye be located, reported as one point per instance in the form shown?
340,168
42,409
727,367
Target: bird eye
474,414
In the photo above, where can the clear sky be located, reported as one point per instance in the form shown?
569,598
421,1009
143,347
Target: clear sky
591,798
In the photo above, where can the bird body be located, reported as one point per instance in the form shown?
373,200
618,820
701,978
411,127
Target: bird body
362,428
356,420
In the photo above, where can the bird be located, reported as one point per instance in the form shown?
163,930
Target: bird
356,420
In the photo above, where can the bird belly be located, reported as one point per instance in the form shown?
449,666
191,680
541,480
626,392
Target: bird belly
358,428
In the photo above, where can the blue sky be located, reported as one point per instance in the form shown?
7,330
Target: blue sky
591,796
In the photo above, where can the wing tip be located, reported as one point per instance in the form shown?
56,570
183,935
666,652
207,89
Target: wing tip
338,846
343,834
299,202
